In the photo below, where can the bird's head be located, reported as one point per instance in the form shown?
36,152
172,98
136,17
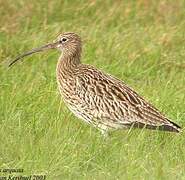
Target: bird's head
68,43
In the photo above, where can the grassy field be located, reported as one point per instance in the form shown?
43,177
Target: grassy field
141,42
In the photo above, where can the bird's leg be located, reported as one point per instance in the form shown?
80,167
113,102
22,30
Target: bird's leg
103,129
104,132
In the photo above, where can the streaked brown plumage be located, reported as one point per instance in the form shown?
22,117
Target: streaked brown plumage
98,98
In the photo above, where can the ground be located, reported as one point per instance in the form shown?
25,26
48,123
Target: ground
141,42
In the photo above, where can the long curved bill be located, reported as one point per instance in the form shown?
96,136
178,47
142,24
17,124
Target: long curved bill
35,50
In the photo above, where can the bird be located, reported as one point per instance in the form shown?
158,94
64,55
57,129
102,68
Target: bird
100,99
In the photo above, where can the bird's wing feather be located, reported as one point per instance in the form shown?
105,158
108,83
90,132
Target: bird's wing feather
118,102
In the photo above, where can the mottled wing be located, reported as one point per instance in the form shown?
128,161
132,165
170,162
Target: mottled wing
116,105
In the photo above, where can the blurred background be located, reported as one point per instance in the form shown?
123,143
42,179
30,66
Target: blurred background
141,42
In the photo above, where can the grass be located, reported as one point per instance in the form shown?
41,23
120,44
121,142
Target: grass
141,42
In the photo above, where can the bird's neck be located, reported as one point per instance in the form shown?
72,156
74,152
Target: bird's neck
67,64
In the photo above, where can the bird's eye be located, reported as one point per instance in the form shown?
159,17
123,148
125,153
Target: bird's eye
63,40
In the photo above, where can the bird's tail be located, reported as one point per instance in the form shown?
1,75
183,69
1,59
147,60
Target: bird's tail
170,126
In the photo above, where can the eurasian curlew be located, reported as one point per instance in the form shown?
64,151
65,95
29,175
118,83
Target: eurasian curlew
99,98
